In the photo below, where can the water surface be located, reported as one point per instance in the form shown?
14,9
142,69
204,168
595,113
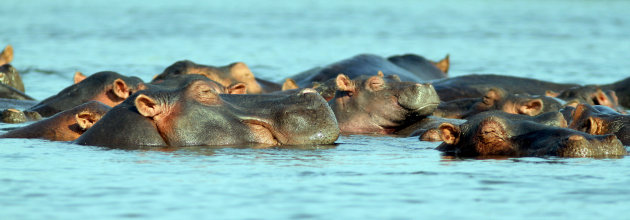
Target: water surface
367,177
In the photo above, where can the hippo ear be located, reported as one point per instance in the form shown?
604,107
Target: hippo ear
120,88
344,83
78,77
443,65
289,84
86,119
449,133
147,106
7,55
375,83
531,107
237,88
600,98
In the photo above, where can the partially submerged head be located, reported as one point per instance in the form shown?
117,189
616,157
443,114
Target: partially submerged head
237,72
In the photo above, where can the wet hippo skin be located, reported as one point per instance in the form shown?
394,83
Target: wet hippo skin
64,126
108,87
499,136
198,114
412,68
498,99
237,72
599,120
377,105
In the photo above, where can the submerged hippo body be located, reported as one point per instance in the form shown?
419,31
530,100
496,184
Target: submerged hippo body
375,104
225,75
108,87
499,136
64,126
198,115
370,64
599,120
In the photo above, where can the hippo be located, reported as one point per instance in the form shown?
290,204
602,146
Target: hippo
428,128
226,75
379,105
495,135
108,87
413,68
179,81
67,125
421,66
476,85
197,114
589,94
498,99
600,120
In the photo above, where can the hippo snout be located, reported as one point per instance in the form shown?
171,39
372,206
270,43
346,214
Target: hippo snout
420,98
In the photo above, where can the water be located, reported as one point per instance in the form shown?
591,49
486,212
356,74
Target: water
364,177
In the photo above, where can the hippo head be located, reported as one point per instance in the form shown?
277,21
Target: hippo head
375,104
592,95
599,120
108,87
237,72
498,99
500,136
198,114
64,126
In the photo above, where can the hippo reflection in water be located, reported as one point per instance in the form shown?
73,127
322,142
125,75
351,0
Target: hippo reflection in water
198,115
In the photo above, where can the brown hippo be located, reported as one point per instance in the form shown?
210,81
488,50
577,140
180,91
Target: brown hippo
197,114
622,90
589,94
376,104
108,87
408,67
500,136
428,128
599,120
64,126
226,75
498,99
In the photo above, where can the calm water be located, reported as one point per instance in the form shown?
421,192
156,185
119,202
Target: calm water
362,176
